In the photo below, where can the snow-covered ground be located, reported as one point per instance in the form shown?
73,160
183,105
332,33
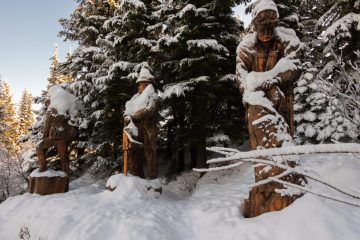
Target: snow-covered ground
211,211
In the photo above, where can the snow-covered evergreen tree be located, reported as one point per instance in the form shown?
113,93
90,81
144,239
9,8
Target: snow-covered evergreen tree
340,31
197,68
53,77
328,27
25,113
8,120
127,49
308,102
2,125
289,15
115,42
86,66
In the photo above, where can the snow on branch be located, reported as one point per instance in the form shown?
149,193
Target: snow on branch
207,44
271,154
340,30
290,150
343,25
288,170
179,89
344,94
219,168
122,65
133,3
309,190
145,42
228,77
190,8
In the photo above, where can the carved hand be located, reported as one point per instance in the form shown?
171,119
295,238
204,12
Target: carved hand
269,83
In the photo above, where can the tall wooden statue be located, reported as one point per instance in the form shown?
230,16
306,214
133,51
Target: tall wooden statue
58,132
267,66
141,120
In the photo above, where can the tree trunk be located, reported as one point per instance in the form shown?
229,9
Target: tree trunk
181,142
193,155
201,152
198,133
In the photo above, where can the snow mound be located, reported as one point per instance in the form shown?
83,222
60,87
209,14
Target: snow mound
211,211
62,101
65,104
131,187
48,173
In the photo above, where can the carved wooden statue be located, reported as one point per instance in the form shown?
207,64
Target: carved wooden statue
267,66
141,116
57,132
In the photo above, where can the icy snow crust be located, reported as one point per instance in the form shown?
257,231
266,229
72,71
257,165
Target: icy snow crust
211,211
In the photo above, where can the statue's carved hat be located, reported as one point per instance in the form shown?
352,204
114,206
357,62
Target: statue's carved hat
145,76
260,6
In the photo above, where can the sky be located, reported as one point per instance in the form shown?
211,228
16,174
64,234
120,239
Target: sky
28,31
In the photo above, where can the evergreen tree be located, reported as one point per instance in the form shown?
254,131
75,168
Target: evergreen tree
309,103
56,77
330,32
25,113
289,15
53,77
2,124
339,29
86,66
197,66
127,49
8,120
112,50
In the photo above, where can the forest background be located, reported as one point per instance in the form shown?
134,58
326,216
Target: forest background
190,48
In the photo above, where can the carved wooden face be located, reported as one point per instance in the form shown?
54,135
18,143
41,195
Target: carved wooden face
142,86
265,23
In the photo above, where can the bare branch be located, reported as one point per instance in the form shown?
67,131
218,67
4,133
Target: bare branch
291,150
342,200
218,168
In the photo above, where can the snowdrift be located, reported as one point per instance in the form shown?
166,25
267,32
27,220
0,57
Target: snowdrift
211,211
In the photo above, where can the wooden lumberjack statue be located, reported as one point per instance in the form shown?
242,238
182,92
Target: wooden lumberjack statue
140,117
267,66
59,131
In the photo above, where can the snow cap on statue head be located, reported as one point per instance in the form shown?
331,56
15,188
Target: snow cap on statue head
263,5
145,76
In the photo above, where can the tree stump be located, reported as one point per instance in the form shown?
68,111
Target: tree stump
48,182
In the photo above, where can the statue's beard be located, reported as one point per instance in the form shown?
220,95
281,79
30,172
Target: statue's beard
266,37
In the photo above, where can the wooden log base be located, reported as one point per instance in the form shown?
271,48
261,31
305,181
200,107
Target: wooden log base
263,198
46,184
